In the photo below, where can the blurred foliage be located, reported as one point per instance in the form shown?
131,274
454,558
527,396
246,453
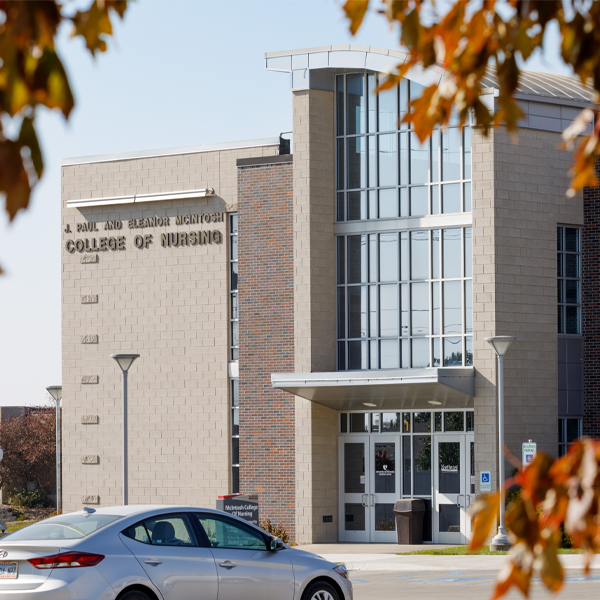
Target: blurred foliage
474,34
558,506
28,441
32,75
35,499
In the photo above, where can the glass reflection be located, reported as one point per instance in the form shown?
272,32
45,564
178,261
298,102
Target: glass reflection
373,260
357,258
357,356
357,206
422,422
356,103
451,253
406,464
469,306
372,143
451,198
419,201
339,101
385,468
419,240
453,352
420,310
468,252
357,163
357,311
422,465
390,422
389,354
452,307
373,329
372,101
451,154
420,353
388,117
388,307
388,257
388,160
388,203
419,160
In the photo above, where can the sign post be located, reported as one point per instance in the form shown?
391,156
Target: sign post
529,452
244,506
485,481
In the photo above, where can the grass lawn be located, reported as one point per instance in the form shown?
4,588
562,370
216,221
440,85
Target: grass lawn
464,550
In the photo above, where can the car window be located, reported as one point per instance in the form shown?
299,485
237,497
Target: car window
227,533
64,527
164,530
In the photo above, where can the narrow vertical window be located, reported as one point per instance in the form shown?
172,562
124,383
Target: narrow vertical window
568,271
233,291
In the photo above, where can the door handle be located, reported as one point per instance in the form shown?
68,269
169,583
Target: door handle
458,500
227,565
363,500
373,499
153,561
468,497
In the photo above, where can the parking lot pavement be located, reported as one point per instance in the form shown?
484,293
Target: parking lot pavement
461,585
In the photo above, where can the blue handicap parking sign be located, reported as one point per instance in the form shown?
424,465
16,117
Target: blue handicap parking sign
485,481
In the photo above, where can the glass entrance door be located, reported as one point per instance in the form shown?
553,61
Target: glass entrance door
370,485
385,485
354,495
453,460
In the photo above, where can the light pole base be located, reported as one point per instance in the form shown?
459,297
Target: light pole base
500,542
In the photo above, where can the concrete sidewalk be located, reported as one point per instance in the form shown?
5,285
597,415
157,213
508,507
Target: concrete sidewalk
385,557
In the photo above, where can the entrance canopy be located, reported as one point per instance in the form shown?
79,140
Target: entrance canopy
386,390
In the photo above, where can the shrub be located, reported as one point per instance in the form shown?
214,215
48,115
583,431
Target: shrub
36,499
276,530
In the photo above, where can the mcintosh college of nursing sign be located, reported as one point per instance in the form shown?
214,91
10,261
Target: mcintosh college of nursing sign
116,242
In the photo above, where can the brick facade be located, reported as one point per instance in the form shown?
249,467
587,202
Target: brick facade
266,338
590,318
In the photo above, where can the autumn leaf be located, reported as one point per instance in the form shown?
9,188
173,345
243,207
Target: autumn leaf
32,74
355,10
484,513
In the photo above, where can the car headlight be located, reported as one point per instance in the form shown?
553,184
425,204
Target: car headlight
341,570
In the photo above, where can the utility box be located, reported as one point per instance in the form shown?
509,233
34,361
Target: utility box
244,506
409,520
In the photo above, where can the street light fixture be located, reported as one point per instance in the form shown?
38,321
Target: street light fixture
500,344
124,361
56,392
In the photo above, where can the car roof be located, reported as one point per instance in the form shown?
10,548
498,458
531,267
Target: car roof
140,509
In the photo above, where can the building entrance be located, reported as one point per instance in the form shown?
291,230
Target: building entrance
427,455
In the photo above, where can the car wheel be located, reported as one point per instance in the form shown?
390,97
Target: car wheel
320,590
135,595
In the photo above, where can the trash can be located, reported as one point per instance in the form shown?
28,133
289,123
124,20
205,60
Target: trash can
409,520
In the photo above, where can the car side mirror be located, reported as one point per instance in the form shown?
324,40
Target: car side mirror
275,544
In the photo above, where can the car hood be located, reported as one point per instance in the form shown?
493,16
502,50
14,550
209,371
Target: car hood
301,557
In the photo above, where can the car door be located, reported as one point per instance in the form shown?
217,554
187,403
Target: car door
179,564
246,567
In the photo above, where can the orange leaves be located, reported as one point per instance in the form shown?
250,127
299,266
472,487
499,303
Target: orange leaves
484,514
32,74
355,10
464,42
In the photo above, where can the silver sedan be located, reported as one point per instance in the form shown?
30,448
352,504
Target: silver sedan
160,553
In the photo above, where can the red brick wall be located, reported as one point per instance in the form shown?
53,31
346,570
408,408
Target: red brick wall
590,317
266,338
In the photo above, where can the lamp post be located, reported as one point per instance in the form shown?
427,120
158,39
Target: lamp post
500,344
124,361
56,392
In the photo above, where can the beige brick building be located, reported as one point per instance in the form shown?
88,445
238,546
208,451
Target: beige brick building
403,258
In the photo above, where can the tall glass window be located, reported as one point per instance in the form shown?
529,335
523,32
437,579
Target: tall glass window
383,170
235,435
233,287
568,272
405,299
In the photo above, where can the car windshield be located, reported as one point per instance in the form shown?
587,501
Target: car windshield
63,527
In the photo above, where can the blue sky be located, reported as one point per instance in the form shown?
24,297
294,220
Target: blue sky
179,73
